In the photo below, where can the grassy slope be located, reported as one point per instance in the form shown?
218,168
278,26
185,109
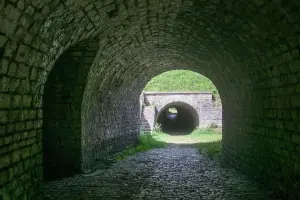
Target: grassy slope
179,81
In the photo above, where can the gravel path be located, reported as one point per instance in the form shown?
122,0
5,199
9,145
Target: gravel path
170,173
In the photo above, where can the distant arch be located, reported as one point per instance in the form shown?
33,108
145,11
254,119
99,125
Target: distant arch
183,122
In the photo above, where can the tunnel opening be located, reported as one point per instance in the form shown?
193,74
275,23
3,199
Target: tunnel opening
60,136
190,101
250,49
178,118
62,101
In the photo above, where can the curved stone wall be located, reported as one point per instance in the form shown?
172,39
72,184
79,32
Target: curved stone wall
249,49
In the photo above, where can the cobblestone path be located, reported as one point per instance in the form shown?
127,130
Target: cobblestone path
172,173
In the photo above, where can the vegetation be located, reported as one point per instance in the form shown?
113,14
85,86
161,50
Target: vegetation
197,136
182,81
146,142
207,141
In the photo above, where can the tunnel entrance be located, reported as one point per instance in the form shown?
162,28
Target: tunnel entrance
61,130
178,118
62,101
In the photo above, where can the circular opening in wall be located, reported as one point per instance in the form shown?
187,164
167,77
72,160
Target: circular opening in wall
172,110
172,114
178,118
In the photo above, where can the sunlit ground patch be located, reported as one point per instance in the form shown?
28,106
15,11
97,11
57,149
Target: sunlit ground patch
197,136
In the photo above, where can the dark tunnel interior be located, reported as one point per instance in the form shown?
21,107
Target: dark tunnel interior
178,119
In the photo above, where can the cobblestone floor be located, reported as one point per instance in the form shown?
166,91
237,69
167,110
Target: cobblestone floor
172,173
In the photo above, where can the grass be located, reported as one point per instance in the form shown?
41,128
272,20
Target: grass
197,136
182,81
146,142
207,141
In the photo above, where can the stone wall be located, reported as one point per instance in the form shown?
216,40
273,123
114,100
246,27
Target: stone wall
111,126
201,102
148,114
249,49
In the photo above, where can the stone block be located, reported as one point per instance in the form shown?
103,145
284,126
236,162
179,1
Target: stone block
4,161
4,66
12,13
23,71
25,153
16,137
5,101
18,169
29,164
3,117
295,101
16,101
15,156
296,138
33,149
12,147
27,100
26,21
12,69
8,27
295,66
3,178
3,40
14,84
4,84
7,140
23,53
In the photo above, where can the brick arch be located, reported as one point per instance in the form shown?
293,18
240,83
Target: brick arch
165,102
62,107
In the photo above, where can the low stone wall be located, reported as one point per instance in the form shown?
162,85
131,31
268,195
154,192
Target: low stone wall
152,103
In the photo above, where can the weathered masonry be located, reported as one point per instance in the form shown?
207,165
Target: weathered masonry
195,109
71,73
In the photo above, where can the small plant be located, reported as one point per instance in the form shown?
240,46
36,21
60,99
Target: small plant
213,125
157,127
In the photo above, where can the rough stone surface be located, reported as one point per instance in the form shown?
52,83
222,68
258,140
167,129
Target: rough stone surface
173,173
249,49
200,104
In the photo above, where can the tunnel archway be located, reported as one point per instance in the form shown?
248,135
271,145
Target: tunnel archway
250,49
184,121
63,94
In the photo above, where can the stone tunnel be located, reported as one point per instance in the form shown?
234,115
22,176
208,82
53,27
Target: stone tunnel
71,73
194,110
